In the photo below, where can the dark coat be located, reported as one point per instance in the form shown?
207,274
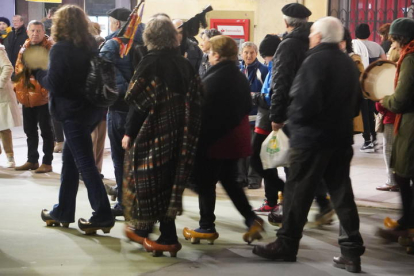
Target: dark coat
14,42
325,98
402,101
194,54
286,63
226,102
65,79
124,71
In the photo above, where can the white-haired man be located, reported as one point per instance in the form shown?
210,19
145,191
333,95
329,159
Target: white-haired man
325,99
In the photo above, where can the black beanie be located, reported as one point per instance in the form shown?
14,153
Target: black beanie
5,20
269,45
362,31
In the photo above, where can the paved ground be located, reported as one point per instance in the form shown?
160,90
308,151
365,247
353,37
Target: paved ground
28,247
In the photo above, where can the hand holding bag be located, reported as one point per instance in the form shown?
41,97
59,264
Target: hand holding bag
274,151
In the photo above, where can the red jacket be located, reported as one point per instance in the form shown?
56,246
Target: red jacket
235,144
389,117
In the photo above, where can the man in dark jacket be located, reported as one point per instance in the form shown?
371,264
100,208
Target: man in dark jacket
117,113
15,39
325,99
287,60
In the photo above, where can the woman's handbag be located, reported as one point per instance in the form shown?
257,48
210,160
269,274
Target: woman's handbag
379,122
274,151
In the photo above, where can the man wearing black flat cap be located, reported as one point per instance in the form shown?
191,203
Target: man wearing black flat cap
117,113
287,60
117,19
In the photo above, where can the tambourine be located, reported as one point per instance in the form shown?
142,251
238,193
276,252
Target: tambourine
36,57
378,80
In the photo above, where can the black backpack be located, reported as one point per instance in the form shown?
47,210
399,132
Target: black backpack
100,87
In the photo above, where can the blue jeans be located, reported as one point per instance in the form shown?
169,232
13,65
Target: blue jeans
116,130
77,157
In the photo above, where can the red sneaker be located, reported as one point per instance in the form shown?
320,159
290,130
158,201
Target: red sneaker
266,207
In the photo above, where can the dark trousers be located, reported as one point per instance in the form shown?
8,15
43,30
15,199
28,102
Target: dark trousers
58,131
116,130
308,168
272,183
33,116
407,198
225,171
78,158
248,175
368,120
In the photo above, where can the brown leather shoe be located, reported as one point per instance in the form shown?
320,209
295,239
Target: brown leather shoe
386,188
27,166
44,169
349,265
274,251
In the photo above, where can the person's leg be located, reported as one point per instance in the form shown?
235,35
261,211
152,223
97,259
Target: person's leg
388,141
365,112
30,129
228,179
371,118
406,199
78,138
64,211
98,141
305,174
272,183
168,232
116,131
207,176
46,132
242,172
58,131
6,137
321,196
340,189
254,178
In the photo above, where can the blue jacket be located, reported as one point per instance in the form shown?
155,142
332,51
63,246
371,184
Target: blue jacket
124,71
256,74
262,101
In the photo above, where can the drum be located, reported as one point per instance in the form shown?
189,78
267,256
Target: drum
36,57
378,80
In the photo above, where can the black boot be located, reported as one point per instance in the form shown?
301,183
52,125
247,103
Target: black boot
351,265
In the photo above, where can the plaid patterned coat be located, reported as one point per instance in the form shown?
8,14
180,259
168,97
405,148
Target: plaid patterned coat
158,165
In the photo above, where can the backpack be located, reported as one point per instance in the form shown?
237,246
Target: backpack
100,89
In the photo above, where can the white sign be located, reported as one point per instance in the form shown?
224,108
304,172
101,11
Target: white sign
231,30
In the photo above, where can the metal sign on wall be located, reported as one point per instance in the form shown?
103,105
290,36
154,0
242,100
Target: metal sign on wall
45,1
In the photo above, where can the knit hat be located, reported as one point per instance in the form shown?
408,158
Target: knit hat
403,27
5,20
120,14
296,10
362,31
269,45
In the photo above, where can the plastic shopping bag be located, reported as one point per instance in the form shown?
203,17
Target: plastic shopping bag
274,151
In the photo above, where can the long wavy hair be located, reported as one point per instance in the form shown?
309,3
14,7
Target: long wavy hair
71,24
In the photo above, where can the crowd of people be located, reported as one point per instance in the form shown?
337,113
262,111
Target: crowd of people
190,117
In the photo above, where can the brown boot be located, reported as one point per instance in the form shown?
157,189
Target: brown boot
27,166
44,169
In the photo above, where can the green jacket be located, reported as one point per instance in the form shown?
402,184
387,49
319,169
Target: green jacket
402,101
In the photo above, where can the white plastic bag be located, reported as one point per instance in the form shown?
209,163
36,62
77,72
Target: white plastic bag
274,151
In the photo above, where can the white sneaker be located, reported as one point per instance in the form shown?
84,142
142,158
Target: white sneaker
10,162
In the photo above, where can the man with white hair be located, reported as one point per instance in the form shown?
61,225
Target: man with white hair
16,38
325,99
